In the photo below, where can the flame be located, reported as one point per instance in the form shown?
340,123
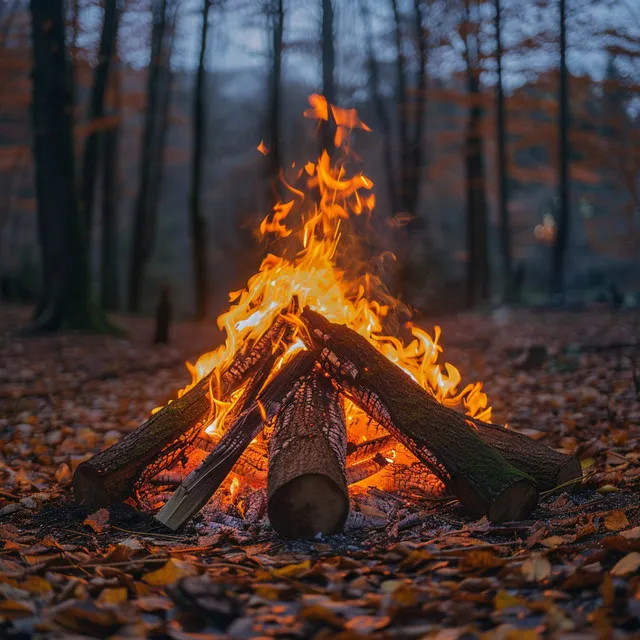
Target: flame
315,264
234,486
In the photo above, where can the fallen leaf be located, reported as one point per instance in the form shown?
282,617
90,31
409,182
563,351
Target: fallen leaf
536,568
505,600
552,541
607,488
37,585
113,596
321,614
293,570
627,565
11,609
616,520
97,520
171,572
631,534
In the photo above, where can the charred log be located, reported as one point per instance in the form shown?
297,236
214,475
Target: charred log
366,468
410,480
200,485
369,448
306,487
476,473
111,475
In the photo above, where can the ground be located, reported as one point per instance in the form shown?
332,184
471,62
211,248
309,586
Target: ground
571,571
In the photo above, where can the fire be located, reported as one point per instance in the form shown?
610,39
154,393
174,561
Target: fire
312,226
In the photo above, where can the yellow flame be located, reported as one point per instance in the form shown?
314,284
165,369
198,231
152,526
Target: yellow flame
313,222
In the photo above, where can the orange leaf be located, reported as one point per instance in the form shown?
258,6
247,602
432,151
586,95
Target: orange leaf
97,520
627,565
616,520
171,572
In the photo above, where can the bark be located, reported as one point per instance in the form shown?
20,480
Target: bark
197,220
96,112
140,246
66,301
410,480
366,468
558,275
478,275
200,485
508,291
109,266
111,475
369,448
306,486
479,476
328,68
401,97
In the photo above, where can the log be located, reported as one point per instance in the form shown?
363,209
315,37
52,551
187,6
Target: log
111,475
366,468
202,483
369,448
547,467
411,480
306,487
476,473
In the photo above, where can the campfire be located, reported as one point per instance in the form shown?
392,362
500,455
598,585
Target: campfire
317,388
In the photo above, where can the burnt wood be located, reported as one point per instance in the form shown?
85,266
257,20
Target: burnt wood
475,472
202,483
111,475
306,487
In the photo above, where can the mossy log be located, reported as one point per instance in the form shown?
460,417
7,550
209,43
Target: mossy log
475,472
306,486
111,475
202,483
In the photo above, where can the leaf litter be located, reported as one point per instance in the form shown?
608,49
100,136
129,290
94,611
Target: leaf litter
418,570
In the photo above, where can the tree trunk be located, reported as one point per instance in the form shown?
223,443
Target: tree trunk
328,66
66,299
198,223
401,105
478,269
109,264
200,485
111,475
96,112
508,291
306,487
139,245
558,275
275,98
479,476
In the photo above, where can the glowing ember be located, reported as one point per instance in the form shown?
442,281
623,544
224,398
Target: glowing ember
313,227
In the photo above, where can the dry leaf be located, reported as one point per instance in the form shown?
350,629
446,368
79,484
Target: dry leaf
536,568
171,572
616,520
627,565
631,534
552,541
505,600
97,520
113,596
293,570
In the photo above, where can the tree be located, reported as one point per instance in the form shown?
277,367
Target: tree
558,264
66,299
503,205
478,269
276,15
110,291
198,224
96,112
151,154
328,65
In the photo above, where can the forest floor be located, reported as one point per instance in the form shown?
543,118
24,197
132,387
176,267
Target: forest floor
571,571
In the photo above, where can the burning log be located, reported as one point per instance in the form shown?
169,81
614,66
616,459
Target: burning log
409,479
306,487
111,475
369,448
200,485
366,468
476,473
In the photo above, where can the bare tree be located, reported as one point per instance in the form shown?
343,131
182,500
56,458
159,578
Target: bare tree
66,298
198,223
146,199
276,15
478,268
558,270
328,69
96,112
503,204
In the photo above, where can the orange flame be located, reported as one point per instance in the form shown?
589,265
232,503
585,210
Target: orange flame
312,222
